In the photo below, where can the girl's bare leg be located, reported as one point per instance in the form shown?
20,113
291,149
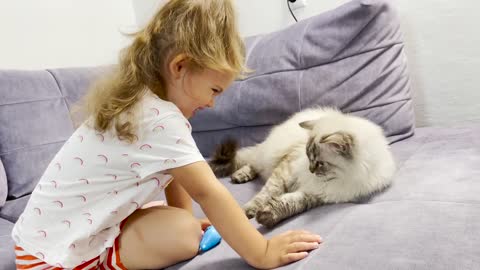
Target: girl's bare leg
159,236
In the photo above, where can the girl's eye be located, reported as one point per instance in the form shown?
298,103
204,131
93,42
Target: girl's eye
216,91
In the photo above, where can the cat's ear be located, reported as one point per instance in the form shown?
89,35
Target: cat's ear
341,142
307,124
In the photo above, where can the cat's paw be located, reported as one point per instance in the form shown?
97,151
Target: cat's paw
241,176
267,217
250,210
250,213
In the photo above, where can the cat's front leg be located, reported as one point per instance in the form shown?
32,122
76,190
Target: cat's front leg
244,174
285,206
256,203
251,208
269,215
271,188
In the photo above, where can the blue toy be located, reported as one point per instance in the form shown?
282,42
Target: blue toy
210,239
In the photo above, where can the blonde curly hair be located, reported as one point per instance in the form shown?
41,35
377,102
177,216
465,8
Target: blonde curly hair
204,30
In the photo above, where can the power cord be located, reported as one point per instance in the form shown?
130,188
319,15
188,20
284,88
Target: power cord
290,8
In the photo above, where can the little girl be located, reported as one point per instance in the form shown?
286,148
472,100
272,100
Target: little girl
88,210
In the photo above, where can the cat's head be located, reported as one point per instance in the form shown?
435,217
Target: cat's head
329,154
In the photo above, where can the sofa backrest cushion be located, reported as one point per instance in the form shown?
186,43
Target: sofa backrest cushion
3,185
351,58
35,120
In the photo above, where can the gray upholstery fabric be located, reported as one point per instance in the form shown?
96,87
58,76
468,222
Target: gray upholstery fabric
36,102
34,123
428,219
73,83
351,58
13,208
7,255
3,185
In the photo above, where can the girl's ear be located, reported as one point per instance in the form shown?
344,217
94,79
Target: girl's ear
177,66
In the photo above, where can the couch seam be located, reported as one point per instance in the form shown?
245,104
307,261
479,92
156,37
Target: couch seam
325,63
413,200
273,124
301,61
29,147
62,94
31,101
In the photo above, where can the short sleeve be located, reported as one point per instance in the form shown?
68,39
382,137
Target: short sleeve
166,143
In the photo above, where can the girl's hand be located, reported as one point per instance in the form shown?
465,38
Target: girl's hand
204,222
288,247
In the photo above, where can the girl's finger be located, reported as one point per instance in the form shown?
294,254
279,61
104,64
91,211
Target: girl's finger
301,246
307,238
293,257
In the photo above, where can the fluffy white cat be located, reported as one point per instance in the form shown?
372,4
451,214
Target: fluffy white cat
317,156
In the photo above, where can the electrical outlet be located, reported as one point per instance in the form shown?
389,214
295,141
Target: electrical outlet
298,4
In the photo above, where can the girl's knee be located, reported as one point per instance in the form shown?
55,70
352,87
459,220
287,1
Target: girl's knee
189,234
174,227
159,236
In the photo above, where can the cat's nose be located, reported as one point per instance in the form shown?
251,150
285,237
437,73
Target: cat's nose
313,167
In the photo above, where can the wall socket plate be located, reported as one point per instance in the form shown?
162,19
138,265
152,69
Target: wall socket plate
298,4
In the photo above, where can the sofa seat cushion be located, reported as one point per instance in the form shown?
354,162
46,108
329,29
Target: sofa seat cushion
7,254
13,208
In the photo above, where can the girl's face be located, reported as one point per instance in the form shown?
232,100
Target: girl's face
192,91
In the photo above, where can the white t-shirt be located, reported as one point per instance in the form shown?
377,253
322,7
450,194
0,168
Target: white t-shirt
95,181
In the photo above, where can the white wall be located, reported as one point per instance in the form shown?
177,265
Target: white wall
62,33
256,17
443,49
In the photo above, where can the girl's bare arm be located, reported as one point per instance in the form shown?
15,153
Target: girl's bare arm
228,218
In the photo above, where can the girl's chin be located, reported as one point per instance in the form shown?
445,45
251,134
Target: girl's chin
194,112
188,114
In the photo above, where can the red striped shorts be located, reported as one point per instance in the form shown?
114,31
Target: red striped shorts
110,259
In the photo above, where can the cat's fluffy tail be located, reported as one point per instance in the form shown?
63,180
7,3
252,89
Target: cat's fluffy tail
223,159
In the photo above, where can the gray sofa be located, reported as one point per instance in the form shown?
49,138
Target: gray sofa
351,58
